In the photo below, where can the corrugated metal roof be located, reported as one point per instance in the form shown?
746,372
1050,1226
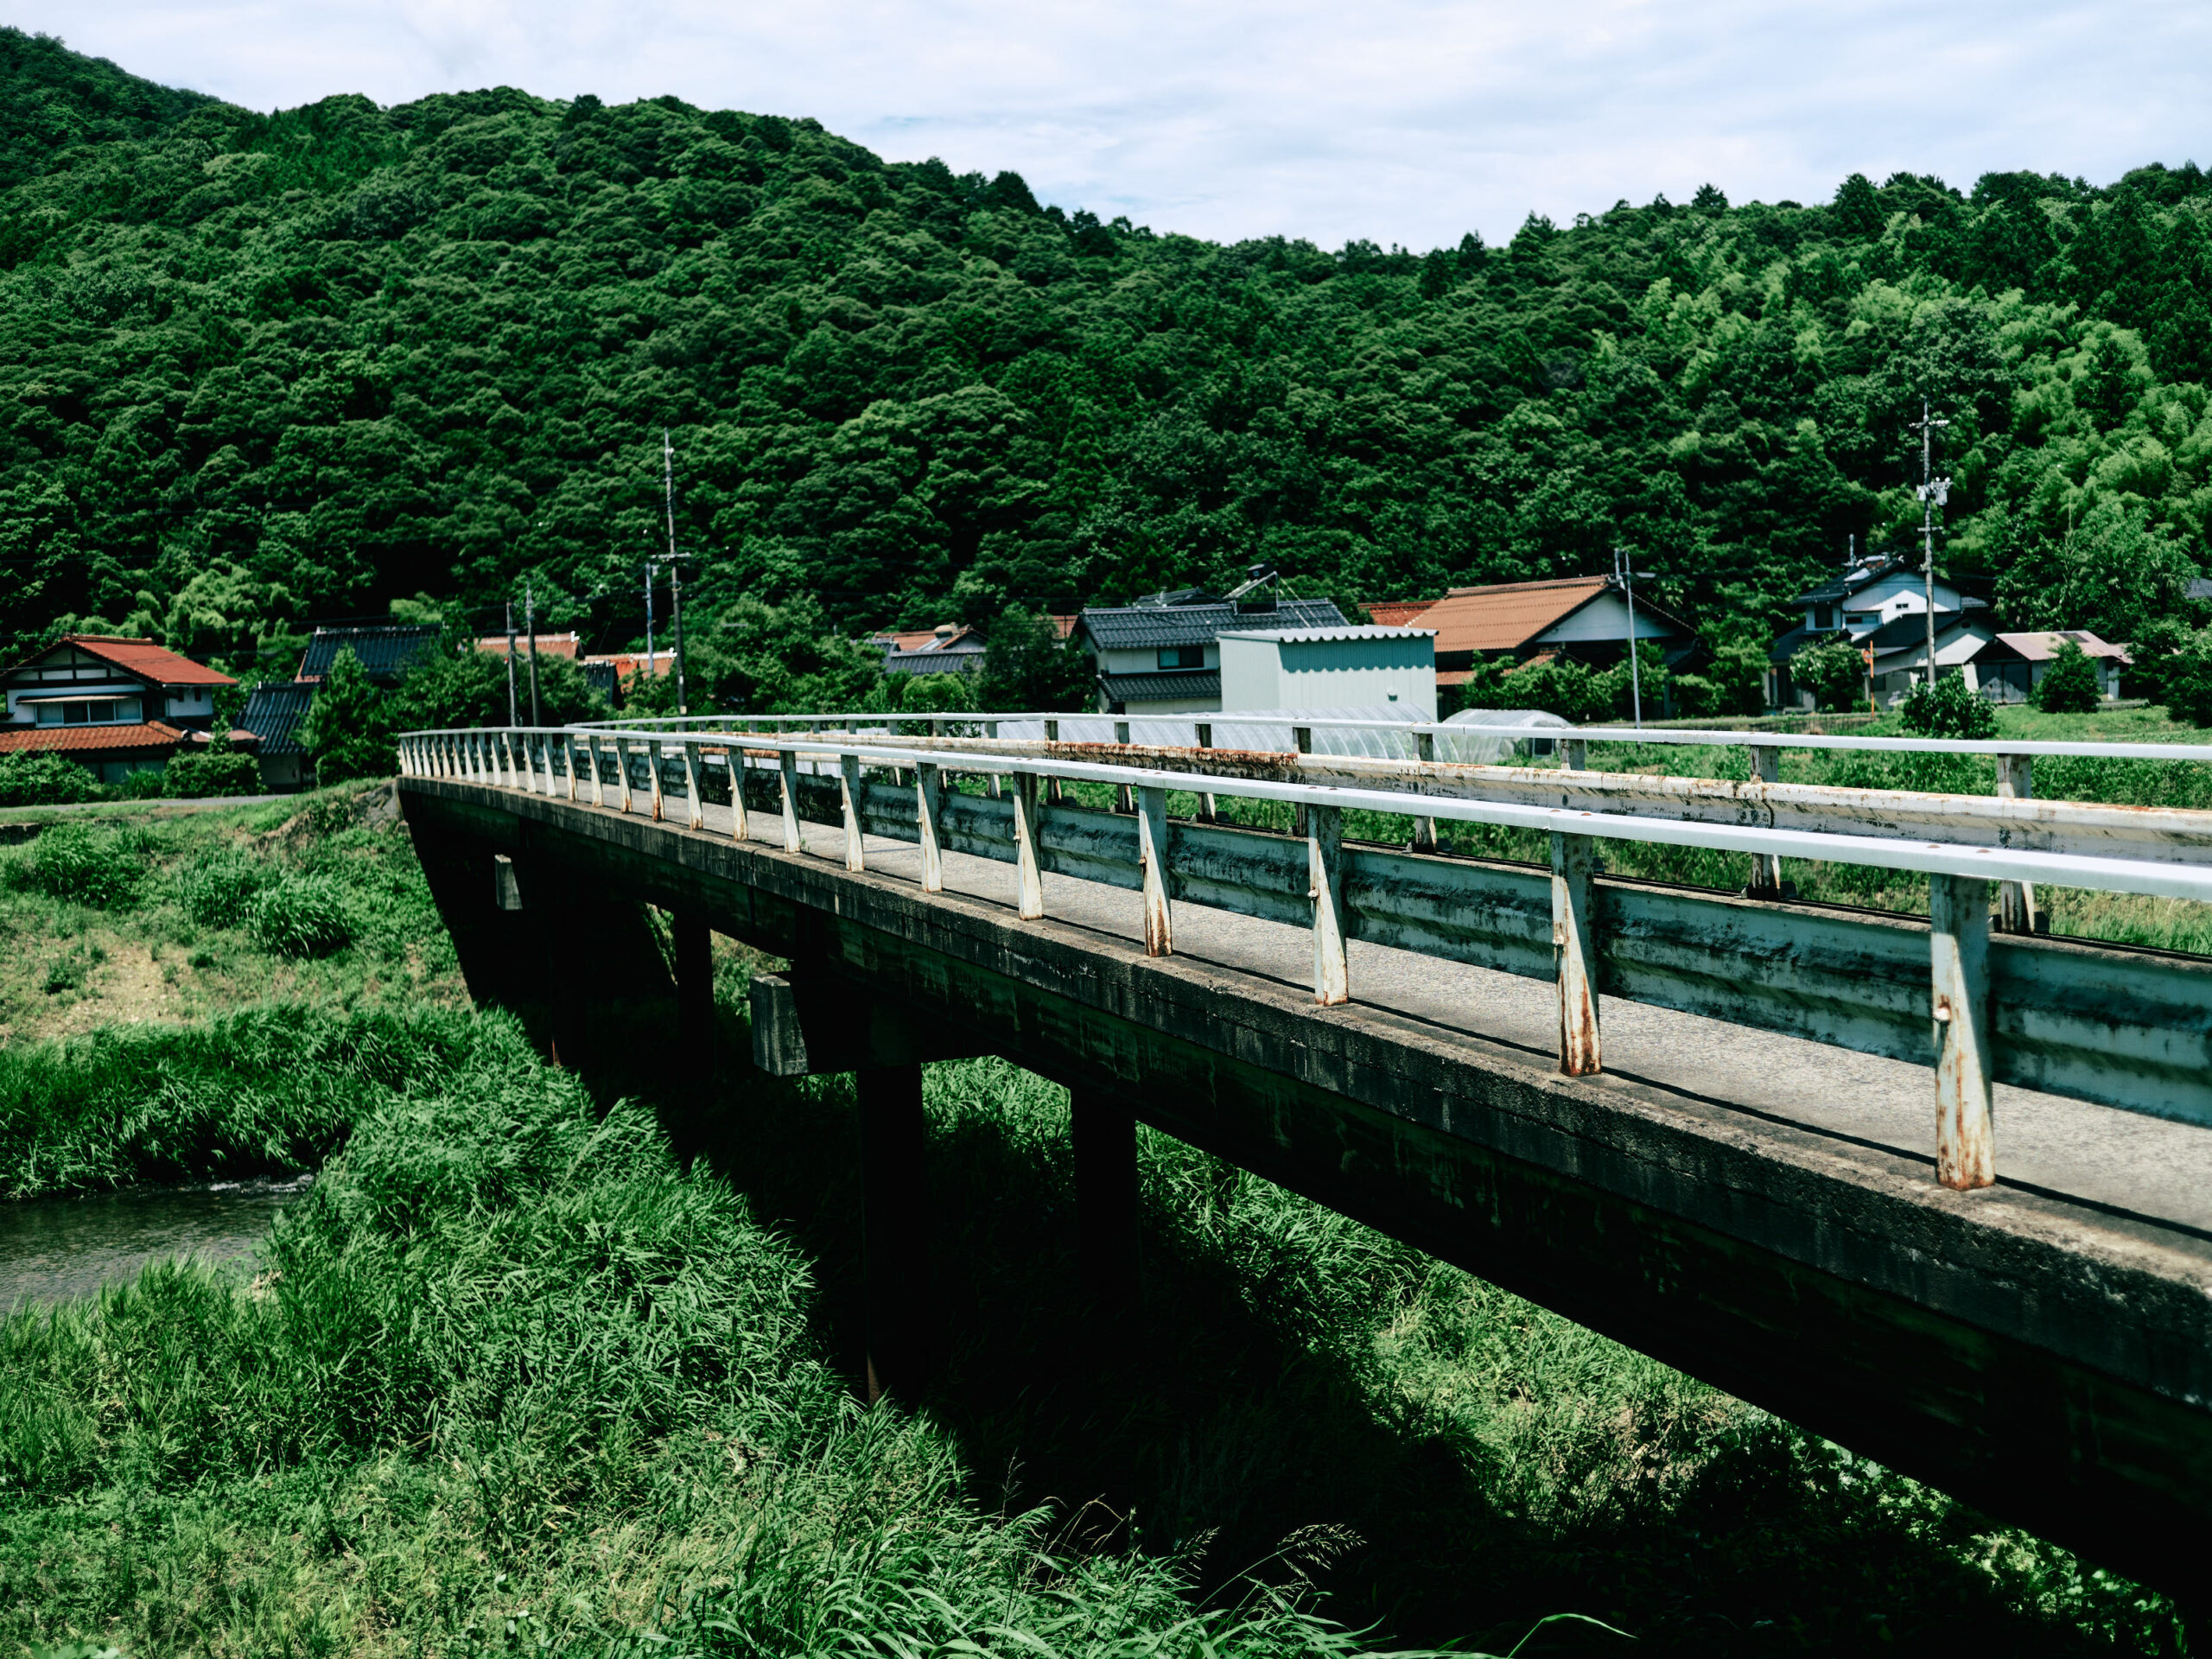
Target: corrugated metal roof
140,657
273,712
2042,647
139,738
1158,687
1149,627
1315,636
384,652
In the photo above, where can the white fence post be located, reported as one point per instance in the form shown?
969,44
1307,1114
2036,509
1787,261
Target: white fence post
1957,917
1029,872
1574,955
848,788
2016,900
1424,829
787,771
622,765
697,813
928,792
1152,860
1325,867
1209,810
740,826
598,783
1766,868
652,757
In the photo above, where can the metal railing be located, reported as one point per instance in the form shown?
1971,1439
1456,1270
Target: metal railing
2126,1028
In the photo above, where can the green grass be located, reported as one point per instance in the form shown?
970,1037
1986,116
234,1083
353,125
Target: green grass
509,1378
146,915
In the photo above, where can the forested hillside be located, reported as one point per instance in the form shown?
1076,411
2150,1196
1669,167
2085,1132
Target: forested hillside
264,368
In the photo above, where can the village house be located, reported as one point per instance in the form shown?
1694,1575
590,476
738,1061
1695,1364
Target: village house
113,705
1584,618
1161,655
2038,651
948,648
1879,604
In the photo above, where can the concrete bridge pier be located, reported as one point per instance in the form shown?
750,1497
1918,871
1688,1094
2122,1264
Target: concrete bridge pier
895,1230
694,998
1105,1138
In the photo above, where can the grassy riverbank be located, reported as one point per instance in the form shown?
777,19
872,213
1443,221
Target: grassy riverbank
535,1367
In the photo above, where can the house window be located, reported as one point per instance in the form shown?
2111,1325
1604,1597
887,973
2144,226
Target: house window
92,711
1183,657
1823,616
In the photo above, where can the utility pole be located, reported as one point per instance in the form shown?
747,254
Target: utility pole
675,575
1626,577
675,612
511,718
1933,492
649,616
530,621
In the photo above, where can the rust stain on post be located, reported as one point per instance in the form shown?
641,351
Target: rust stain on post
1574,954
2016,900
1965,1142
1029,875
849,792
928,791
787,775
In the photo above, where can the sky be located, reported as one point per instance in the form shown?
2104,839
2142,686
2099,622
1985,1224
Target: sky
1397,121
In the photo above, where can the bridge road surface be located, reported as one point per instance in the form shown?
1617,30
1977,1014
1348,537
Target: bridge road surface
2115,1190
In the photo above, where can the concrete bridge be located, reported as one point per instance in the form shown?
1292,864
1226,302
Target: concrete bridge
1757,1139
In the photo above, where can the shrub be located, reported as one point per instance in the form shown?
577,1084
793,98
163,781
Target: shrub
215,891
2070,685
219,772
146,784
1833,670
44,780
1950,708
299,916
70,861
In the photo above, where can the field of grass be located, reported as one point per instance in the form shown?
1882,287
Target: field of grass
537,1366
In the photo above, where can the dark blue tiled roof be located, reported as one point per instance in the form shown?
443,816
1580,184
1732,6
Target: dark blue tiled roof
385,651
1149,627
1157,687
273,712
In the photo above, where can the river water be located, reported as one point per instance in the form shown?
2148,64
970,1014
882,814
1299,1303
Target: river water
54,1248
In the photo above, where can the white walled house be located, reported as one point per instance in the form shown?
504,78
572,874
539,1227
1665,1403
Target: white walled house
1869,606
113,705
1344,667
2038,651
1164,657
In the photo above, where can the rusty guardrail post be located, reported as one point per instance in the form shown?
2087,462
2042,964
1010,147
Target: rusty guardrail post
2016,900
1123,801
1029,872
1054,793
929,788
1574,754
1766,868
1324,864
1301,739
622,767
1424,829
1151,863
1957,917
1574,955
848,793
787,774
653,755
598,782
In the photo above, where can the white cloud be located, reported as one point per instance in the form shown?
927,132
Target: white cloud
1396,120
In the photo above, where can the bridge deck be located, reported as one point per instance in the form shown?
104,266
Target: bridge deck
2138,1169
1758,1208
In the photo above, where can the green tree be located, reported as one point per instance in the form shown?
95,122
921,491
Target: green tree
1834,671
2070,685
1950,708
1027,666
348,730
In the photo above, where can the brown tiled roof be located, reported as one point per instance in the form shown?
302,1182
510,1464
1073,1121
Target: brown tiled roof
1396,613
80,739
143,656
1506,616
549,645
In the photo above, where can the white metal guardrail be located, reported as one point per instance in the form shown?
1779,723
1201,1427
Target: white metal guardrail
2131,1029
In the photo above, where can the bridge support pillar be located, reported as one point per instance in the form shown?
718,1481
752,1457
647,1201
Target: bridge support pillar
695,997
1105,1135
894,1205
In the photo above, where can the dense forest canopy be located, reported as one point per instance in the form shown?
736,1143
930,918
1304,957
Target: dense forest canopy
264,368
